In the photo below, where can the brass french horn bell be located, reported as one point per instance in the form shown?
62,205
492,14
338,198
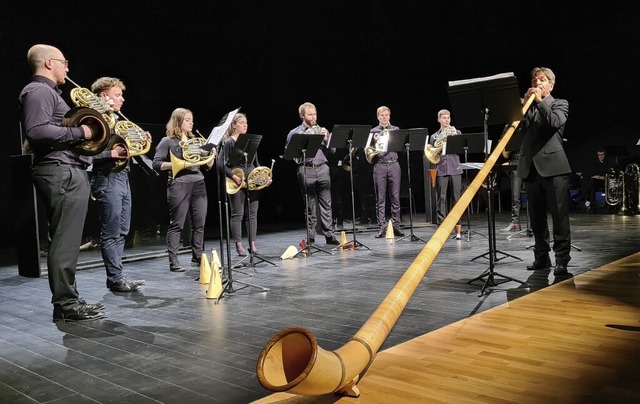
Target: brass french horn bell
115,141
78,116
231,185
433,152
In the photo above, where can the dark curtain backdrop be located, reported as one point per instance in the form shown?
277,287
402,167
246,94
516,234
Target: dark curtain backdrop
348,59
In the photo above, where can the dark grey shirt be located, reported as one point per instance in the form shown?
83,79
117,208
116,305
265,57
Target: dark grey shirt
42,110
164,150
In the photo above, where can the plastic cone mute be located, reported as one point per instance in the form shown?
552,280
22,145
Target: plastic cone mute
215,259
389,230
205,269
343,238
215,283
433,174
290,252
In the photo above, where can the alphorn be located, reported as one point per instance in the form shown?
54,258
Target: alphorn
293,362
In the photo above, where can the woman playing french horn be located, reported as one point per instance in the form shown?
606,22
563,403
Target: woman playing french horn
186,190
237,178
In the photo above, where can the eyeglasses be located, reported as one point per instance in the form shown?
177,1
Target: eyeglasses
65,62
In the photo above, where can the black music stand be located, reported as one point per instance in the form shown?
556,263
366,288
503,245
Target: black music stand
217,138
465,144
616,151
480,102
244,151
407,140
299,146
514,146
350,137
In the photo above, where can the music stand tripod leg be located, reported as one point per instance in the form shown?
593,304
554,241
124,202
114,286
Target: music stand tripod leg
354,241
411,236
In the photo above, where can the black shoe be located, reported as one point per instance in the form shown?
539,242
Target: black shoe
137,282
539,265
90,306
381,233
78,313
397,232
332,241
124,285
176,267
560,269
195,264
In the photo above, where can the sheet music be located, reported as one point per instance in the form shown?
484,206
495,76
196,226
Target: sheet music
471,166
218,132
481,79
381,144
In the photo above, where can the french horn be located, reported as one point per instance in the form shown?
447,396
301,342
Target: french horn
260,177
231,186
78,116
381,139
101,120
135,140
346,161
83,97
433,152
193,155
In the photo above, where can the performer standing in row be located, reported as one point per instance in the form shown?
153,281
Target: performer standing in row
315,171
544,168
59,176
186,192
386,177
112,192
449,168
237,128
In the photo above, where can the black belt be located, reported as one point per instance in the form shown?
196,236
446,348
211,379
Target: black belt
386,161
314,165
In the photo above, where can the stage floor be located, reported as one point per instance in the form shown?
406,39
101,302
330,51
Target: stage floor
170,343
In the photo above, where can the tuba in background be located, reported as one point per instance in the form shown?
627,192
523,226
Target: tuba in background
623,188
613,187
380,141
195,152
433,152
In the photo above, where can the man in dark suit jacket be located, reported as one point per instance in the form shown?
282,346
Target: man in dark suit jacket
545,170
